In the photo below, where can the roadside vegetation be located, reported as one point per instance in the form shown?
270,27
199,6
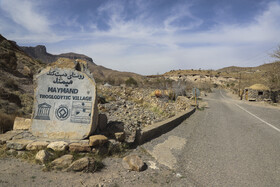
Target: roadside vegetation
6,122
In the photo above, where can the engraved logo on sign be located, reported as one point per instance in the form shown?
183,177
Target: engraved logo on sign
62,113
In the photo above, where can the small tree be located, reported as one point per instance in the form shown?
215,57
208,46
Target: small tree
276,53
274,74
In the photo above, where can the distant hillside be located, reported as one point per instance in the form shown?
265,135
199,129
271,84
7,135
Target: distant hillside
40,52
16,76
232,69
267,74
103,74
100,73
262,68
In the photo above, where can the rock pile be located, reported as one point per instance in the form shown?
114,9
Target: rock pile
137,107
67,155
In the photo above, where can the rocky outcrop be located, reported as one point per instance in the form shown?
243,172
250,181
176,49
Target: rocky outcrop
40,52
100,73
16,71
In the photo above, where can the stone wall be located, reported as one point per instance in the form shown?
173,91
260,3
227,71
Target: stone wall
275,96
257,95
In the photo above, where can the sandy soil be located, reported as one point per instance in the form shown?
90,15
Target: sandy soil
15,172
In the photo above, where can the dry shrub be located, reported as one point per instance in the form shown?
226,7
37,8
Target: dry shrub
158,93
11,83
6,122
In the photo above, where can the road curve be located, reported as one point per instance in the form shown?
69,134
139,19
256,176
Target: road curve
230,144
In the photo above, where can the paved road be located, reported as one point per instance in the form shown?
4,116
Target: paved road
230,144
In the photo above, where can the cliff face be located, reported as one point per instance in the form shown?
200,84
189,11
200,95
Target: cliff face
16,72
40,52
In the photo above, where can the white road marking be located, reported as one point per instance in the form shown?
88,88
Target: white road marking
222,94
275,128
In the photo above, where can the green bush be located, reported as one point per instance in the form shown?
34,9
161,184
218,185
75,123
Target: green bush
131,82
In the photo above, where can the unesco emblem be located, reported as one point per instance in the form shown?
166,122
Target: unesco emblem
62,113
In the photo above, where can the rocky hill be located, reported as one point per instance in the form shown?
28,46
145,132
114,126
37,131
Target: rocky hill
16,76
40,52
100,73
232,77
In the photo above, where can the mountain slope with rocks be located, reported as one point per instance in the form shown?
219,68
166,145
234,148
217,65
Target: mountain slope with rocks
16,81
100,73
40,52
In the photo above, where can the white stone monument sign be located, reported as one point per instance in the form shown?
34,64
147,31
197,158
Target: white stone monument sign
65,104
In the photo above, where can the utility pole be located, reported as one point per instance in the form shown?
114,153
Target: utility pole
239,89
195,98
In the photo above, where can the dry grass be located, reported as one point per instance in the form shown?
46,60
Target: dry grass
6,122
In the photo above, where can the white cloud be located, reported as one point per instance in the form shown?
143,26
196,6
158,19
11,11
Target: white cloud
140,46
26,22
175,21
24,13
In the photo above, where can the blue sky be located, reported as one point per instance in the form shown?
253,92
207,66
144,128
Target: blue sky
149,36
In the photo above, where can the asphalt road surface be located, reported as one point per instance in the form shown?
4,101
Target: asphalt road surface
232,143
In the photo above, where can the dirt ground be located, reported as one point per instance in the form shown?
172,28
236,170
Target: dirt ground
15,172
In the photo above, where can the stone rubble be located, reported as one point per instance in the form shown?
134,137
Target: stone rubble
137,107
126,111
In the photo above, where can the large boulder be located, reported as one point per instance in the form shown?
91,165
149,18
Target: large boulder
62,162
79,147
39,145
7,136
58,146
97,140
133,162
42,156
18,144
84,164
